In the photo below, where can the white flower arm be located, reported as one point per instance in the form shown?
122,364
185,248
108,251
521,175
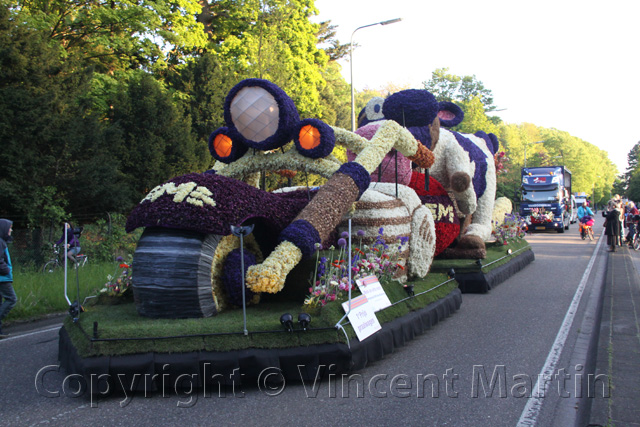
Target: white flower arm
290,159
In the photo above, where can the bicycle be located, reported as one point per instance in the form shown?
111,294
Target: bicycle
55,263
586,227
635,240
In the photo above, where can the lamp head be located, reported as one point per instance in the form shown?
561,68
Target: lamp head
287,321
304,319
391,21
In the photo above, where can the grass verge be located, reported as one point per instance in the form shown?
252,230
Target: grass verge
40,294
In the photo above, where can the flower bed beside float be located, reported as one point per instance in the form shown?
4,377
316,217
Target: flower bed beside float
190,270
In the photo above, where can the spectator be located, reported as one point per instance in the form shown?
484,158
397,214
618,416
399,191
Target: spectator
612,225
631,212
73,244
8,296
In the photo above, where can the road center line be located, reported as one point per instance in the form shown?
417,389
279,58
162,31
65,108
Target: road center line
529,416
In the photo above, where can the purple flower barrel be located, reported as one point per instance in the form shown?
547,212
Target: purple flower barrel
173,273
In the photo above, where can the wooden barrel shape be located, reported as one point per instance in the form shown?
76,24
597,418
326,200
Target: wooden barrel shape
172,273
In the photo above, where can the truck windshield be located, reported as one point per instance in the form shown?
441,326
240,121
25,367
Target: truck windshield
540,196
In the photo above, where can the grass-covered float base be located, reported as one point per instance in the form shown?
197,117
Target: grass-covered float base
111,343
502,262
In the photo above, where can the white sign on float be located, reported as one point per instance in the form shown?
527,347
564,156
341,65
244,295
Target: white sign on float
362,317
371,287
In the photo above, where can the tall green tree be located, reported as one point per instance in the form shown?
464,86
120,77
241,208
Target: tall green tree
150,133
42,124
633,156
120,34
450,87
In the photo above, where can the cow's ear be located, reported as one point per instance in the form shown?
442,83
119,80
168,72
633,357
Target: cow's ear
449,114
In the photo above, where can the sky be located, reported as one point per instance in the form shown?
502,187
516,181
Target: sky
560,64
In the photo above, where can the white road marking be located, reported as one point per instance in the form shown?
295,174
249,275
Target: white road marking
12,337
529,416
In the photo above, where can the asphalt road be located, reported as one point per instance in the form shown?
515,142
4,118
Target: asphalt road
441,378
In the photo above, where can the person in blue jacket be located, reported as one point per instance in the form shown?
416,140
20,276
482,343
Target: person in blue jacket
8,296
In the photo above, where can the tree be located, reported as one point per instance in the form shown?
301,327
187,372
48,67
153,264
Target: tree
205,84
120,34
632,159
326,36
449,87
41,122
150,134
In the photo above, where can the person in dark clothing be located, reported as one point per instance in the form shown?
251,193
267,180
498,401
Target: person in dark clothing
8,296
73,244
612,225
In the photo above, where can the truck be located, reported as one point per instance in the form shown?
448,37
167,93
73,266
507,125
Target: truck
546,202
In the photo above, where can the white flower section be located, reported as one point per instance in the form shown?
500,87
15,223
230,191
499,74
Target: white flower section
194,194
501,207
183,191
406,194
481,225
291,159
422,243
450,158
389,135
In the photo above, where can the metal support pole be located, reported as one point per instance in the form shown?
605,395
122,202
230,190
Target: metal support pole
242,231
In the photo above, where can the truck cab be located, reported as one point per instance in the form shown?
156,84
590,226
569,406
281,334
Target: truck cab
546,198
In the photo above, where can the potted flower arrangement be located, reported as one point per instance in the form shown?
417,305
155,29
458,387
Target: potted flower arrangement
330,280
511,227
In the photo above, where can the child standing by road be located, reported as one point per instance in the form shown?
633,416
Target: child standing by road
8,296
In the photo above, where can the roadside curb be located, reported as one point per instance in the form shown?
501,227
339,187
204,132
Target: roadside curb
22,326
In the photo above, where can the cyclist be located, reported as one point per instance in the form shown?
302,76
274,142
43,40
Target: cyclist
585,216
73,244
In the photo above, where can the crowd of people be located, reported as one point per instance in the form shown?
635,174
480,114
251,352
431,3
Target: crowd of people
618,217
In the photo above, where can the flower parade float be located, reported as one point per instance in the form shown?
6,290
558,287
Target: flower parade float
214,243
465,183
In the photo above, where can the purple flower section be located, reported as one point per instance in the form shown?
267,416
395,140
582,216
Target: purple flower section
490,139
302,234
450,114
232,276
327,139
236,202
288,119
358,174
412,107
422,134
478,157
237,149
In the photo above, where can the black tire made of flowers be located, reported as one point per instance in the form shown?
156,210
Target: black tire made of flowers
173,273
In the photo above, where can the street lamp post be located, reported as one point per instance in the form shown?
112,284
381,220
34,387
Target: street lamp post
525,151
353,112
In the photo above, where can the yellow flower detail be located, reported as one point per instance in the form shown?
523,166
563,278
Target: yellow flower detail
271,274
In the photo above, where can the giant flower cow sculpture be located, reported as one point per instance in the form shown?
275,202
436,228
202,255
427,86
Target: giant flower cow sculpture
464,163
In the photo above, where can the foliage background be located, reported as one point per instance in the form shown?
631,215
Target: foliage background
101,102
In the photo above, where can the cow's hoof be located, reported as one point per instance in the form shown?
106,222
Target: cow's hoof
461,253
469,241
